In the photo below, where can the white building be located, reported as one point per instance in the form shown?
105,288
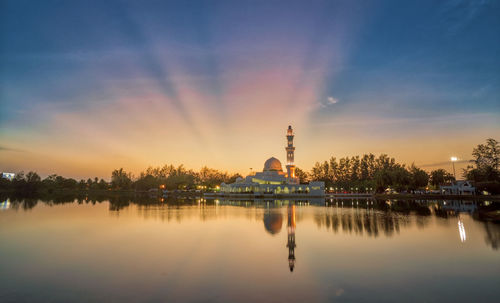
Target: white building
273,180
9,176
458,188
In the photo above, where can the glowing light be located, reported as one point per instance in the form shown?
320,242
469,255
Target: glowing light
461,231
5,205
9,176
453,159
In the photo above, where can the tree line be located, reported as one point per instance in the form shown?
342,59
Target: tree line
168,177
379,173
374,173
368,171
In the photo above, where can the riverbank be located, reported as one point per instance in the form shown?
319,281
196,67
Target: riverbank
132,193
440,197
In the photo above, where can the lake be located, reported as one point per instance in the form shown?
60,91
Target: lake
214,250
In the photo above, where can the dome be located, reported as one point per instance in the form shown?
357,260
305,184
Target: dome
272,164
273,222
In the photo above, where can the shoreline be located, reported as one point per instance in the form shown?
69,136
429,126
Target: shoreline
439,197
270,196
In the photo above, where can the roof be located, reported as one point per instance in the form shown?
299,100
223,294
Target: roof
272,164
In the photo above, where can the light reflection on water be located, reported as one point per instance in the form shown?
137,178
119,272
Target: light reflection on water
5,205
227,250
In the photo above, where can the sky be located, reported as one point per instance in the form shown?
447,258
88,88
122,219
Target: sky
90,86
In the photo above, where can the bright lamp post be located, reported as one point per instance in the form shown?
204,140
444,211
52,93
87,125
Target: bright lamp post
453,160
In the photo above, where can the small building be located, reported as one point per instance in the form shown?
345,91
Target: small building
461,187
9,176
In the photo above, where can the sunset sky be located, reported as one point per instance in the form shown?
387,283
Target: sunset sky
90,86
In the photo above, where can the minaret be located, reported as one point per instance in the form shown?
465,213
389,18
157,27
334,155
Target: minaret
290,149
291,237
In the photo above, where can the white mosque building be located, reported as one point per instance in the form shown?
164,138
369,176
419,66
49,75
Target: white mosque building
273,181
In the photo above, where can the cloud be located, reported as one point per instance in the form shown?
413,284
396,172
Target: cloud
9,149
329,101
332,100
443,163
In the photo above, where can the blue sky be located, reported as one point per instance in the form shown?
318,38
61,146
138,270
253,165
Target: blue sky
87,86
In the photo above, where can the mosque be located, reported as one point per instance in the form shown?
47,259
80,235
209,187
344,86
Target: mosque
273,181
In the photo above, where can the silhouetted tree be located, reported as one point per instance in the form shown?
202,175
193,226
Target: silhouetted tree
419,177
486,162
302,175
120,179
440,176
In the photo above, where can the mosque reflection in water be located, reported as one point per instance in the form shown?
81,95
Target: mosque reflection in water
357,217
273,221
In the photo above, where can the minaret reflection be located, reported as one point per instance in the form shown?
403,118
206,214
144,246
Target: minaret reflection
291,237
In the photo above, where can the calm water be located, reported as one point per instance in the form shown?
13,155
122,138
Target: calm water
237,251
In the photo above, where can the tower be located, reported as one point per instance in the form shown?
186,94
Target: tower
290,150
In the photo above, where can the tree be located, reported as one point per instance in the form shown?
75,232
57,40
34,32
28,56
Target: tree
440,176
487,155
27,184
333,170
486,162
355,169
82,185
384,162
344,171
367,164
233,178
69,183
32,177
146,182
49,183
211,177
320,172
180,178
419,177
302,175
120,179
5,183
396,177
102,185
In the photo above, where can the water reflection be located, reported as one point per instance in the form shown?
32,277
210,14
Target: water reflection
291,237
273,222
358,217
492,234
461,231
5,205
141,248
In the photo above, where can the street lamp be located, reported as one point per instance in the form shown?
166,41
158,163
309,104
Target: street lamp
453,160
